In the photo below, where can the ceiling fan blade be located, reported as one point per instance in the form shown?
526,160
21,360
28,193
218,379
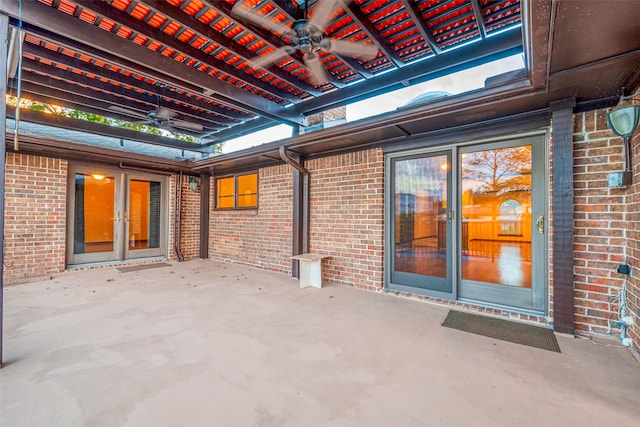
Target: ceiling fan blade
354,49
162,113
241,10
322,11
313,62
265,60
197,127
15,48
128,112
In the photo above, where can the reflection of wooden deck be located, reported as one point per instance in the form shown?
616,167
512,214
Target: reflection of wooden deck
93,247
484,248
422,260
507,263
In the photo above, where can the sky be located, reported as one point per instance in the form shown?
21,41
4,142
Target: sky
455,83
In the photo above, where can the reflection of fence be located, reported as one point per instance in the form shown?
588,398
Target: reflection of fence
475,244
479,239
492,249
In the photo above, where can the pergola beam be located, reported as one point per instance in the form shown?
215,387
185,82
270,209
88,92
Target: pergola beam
494,48
109,93
224,115
48,23
91,109
477,13
416,16
141,28
356,14
105,130
207,32
82,96
224,9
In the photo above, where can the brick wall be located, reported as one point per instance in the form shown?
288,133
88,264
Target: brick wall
190,221
550,235
262,237
599,224
35,216
347,217
338,113
633,245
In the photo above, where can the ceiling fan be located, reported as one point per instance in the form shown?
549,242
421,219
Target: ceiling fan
161,117
307,37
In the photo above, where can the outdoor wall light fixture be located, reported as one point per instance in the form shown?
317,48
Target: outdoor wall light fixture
194,183
623,121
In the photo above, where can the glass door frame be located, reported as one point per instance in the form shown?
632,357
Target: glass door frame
86,258
535,298
164,223
121,251
389,227
539,141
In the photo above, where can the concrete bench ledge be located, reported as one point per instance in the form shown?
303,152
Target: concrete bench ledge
310,269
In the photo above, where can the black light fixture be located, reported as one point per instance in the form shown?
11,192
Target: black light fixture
623,120
194,183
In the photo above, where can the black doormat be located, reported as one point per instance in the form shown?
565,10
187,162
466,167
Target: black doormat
142,267
501,329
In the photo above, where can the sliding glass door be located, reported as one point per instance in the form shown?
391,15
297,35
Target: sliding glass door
421,222
115,216
468,222
503,224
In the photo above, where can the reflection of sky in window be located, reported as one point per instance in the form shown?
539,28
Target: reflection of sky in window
424,175
454,83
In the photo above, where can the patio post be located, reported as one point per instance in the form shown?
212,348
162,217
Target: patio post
562,201
4,43
300,243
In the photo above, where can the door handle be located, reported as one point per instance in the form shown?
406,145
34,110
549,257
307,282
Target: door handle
540,224
126,216
117,218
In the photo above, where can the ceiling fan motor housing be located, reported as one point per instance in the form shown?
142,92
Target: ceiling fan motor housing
305,37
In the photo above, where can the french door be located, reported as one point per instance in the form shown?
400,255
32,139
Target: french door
468,223
115,215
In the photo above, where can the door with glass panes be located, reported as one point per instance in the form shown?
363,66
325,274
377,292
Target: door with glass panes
468,223
115,215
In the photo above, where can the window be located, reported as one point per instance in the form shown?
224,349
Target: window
237,192
510,218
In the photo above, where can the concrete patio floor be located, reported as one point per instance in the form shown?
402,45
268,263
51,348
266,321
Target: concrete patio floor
204,343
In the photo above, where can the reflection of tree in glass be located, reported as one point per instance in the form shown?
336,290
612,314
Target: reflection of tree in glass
503,170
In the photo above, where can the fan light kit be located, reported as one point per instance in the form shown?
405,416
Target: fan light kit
305,36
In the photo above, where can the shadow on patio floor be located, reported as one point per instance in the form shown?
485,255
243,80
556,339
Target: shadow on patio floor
204,343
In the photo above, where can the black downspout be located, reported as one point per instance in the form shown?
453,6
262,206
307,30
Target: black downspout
4,42
176,218
205,181
300,243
